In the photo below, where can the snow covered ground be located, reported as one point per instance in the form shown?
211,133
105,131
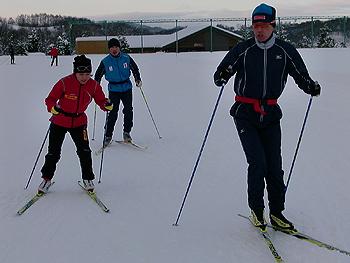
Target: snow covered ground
145,188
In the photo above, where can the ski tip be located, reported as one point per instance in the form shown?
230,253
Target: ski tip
243,216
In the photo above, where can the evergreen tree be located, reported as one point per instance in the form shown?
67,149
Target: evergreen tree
325,41
63,45
305,42
283,33
33,41
124,46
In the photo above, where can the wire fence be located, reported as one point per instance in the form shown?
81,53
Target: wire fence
301,31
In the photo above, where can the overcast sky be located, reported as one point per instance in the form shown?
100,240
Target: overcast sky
163,9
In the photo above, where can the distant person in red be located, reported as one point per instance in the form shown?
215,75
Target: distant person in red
54,55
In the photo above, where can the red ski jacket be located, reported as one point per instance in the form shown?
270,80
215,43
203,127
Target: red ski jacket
73,99
54,52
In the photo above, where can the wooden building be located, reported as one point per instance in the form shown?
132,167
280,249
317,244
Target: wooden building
210,38
203,38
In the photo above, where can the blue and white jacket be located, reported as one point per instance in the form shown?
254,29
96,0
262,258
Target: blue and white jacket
117,72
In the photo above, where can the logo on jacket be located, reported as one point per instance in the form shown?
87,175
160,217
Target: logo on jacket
125,65
110,68
278,56
70,96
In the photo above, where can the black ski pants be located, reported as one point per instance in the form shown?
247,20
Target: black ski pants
81,141
53,60
126,99
261,142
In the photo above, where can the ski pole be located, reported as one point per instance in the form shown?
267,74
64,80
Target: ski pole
298,144
143,95
41,148
199,155
103,145
94,128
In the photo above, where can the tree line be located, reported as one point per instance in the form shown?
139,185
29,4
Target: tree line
35,33
39,32
322,34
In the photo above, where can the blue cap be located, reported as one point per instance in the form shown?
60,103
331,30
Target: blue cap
264,13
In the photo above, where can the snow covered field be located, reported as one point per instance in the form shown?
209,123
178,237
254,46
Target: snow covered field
144,188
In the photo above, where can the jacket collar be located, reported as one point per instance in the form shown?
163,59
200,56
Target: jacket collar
268,44
118,56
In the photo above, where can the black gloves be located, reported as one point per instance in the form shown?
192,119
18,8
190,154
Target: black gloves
108,105
224,77
56,110
138,83
314,89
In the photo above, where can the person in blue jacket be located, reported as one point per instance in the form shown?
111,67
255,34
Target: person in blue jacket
261,66
117,68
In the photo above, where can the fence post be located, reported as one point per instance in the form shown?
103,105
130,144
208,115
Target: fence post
345,20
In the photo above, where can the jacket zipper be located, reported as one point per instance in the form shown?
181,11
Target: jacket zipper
265,81
77,103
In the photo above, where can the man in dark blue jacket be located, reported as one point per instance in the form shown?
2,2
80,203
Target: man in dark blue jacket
117,67
262,65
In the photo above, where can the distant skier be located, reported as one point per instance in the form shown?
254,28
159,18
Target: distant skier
12,54
262,65
116,67
67,101
54,55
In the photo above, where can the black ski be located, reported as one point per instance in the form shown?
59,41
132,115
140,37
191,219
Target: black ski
268,240
32,201
102,148
305,237
94,197
133,144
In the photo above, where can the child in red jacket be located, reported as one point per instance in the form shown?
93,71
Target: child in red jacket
67,101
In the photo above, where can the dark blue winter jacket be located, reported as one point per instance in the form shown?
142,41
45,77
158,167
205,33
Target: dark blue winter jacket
262,69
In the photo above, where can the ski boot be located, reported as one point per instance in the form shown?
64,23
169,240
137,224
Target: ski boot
279,221
89,185
44,186
258,219
127,136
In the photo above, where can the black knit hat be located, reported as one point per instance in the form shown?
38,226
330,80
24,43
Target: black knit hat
264,13
113,42
82,64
